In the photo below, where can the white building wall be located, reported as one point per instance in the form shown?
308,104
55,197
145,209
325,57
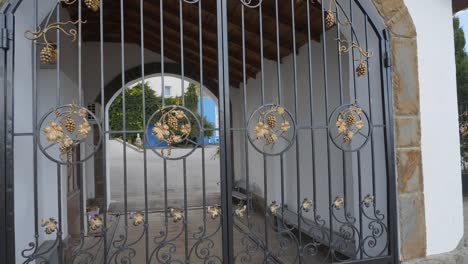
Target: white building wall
439,124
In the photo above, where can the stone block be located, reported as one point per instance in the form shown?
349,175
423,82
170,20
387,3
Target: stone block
407,131
409,170
401,24
388,9
412,226
405,76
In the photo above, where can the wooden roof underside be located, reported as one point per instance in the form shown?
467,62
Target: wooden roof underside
459,5
171,31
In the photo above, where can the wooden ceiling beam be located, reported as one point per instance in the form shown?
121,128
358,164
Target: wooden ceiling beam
253,60
152,42
191,58
190,13
172,32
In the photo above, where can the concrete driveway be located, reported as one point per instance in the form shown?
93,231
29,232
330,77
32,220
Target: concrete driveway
155,178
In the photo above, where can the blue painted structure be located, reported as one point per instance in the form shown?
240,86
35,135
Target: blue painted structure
210,109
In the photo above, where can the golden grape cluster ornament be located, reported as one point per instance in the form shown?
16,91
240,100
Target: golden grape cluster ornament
349,127
173,127
330,19
240,211
275,208
48,55
95,222
368,201
364,55
138,218
339,202
350,122
307,204
273,130
92,4
68,129
177,214
50,225
214,211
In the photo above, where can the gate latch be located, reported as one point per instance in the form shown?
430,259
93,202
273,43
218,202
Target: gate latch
387,61
4,38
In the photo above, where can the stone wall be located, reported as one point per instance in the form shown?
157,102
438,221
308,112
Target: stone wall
412,224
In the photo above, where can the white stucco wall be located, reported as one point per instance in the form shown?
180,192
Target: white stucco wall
439,124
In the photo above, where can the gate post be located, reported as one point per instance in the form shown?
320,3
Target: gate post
7,228
225,131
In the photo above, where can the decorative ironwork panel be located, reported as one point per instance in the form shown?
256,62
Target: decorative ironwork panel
201,131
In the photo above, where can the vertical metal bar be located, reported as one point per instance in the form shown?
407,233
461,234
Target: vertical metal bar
165,194
390,161
8,83
59,171
340,82
244,113
124,108
58,58
182,68
262,73
80,103
356,99
280,101
265,174
370,109
278,51
143,103
59,209
202,129
325,81
296,108
161,32
186,236
6,175
34,124
311,109
103,125
80,42
225,130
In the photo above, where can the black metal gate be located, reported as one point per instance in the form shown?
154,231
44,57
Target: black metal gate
297,165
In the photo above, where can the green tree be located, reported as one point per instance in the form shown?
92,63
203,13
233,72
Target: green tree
461,60
191,97
134,110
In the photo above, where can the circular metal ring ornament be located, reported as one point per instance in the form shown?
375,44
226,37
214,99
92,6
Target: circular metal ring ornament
349,127
271,129
63,129
171,127
251,3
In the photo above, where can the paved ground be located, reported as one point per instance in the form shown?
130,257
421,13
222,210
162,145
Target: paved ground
155,178
173,242
183,242
178,243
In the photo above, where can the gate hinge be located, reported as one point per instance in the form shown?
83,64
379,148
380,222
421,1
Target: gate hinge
387,61
5,37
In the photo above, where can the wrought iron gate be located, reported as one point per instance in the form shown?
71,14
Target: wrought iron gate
304,167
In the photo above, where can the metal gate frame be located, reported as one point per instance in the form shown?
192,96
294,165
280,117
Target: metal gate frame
7,228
